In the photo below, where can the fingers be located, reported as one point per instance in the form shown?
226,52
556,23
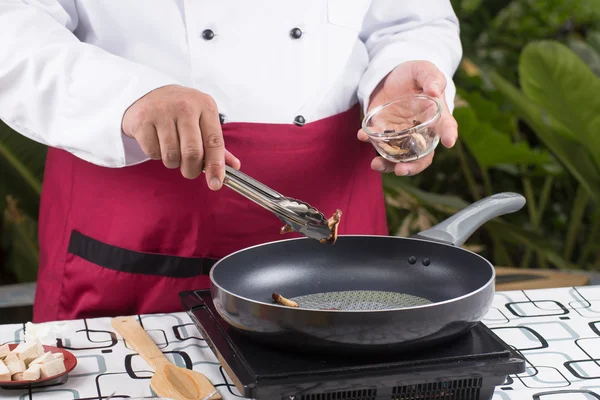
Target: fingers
415,167
449,131
192,151
429,78
214,147
146,137
181,127
169,143
380,164
447,127
433,83
402,169
362,136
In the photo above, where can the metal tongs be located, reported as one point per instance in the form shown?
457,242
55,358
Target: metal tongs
301,217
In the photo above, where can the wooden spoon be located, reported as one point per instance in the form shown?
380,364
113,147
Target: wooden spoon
168,380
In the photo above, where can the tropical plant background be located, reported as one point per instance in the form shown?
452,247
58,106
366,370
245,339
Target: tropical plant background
529,121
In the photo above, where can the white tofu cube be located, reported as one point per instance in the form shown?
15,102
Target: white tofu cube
4,350
32,373
18,376
4,372
59,356
52,368
47,356
27,352
19,348
16,366
40,348
10,358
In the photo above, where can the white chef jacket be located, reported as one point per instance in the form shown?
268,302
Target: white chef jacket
69,69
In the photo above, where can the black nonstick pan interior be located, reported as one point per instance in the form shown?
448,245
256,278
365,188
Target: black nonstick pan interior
391,272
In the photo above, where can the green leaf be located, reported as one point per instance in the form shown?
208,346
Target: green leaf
490,147
593,39
24,155
571,154
488,111
554,77
509,169
469,6
20,244
587,53
518,236
433,200
22,164
585,10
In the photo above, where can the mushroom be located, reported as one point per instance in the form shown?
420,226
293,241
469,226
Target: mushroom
283,301
333,222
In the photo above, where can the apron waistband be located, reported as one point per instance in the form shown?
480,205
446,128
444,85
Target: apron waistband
134,262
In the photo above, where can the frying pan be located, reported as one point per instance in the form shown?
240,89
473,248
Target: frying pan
363,294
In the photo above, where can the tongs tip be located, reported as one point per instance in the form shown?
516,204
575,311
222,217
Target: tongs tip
326,232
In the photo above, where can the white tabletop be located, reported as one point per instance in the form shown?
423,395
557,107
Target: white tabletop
556,330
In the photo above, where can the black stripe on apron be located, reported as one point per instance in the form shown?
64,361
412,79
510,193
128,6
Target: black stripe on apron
134,262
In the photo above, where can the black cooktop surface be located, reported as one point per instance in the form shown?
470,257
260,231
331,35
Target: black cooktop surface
476,361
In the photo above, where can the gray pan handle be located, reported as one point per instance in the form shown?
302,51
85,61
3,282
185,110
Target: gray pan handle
457,229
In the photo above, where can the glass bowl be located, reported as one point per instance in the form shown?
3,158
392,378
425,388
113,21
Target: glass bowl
404,129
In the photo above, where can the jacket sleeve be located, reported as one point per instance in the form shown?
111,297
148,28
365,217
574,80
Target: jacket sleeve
64,93
398,31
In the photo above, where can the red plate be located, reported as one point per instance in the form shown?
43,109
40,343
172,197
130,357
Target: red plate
70,363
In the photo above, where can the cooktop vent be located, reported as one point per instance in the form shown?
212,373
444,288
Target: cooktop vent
365,394
464,389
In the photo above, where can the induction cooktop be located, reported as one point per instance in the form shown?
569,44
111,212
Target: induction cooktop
467,368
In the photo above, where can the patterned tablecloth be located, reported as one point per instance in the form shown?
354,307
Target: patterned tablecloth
557,331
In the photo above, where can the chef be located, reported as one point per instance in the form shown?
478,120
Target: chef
132,97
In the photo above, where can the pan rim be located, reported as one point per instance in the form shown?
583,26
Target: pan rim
293,309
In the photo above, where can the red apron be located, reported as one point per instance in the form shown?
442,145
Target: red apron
128,240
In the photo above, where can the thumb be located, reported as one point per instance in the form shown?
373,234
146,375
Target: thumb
429,78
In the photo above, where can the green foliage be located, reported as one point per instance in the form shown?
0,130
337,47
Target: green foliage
593,39
22,165
573,155
554,77
587,53
494,32
480,137
20,243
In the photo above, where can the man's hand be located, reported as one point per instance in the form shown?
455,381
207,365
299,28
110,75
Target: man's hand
181,127
409,78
